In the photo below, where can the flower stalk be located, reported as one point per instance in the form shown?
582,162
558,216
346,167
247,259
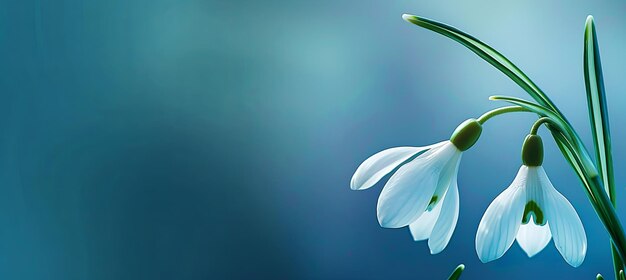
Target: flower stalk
499,111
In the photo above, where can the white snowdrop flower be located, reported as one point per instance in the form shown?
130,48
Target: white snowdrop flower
532,212
422,193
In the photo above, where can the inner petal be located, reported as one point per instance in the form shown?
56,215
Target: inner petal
447,174
533,237
423,226
533,212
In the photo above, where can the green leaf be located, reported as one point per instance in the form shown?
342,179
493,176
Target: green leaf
599,118
599,277
533,107
488,54
596,101
456,274
618,265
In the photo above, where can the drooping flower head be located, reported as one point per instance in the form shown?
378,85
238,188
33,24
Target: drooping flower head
532,212
422,193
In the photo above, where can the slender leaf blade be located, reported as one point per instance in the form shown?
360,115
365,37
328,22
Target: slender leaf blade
599,118
533,107
596,100
488,54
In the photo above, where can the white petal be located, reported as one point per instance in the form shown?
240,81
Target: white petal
409,191
565,225
442,232
380,164
449,172
423,226
533,238
501,221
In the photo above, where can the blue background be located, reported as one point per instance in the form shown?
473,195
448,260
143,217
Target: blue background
216,139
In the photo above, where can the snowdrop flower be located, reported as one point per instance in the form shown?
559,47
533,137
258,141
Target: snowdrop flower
422,193
532,212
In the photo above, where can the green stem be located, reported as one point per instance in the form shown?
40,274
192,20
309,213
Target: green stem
618,265
539,122
499,111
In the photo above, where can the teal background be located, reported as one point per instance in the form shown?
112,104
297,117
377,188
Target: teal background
216,139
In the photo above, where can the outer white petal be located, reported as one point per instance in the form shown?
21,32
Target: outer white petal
380,164
565,225
501,221
442,232
409,191
533,238
423,226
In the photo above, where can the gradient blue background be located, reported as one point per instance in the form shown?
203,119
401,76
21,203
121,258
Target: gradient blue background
216,139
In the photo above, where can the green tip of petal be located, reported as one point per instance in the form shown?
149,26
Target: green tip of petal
457,272
599,277
589,19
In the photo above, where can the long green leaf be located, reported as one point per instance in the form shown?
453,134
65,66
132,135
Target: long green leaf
596,101
533,107
599,118
488,54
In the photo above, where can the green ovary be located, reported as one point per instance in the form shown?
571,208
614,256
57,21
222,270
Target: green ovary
532,209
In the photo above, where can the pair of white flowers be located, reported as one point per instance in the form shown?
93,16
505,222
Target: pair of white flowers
423,195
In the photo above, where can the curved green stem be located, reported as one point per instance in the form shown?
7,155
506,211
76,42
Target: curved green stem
499,111
539,122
